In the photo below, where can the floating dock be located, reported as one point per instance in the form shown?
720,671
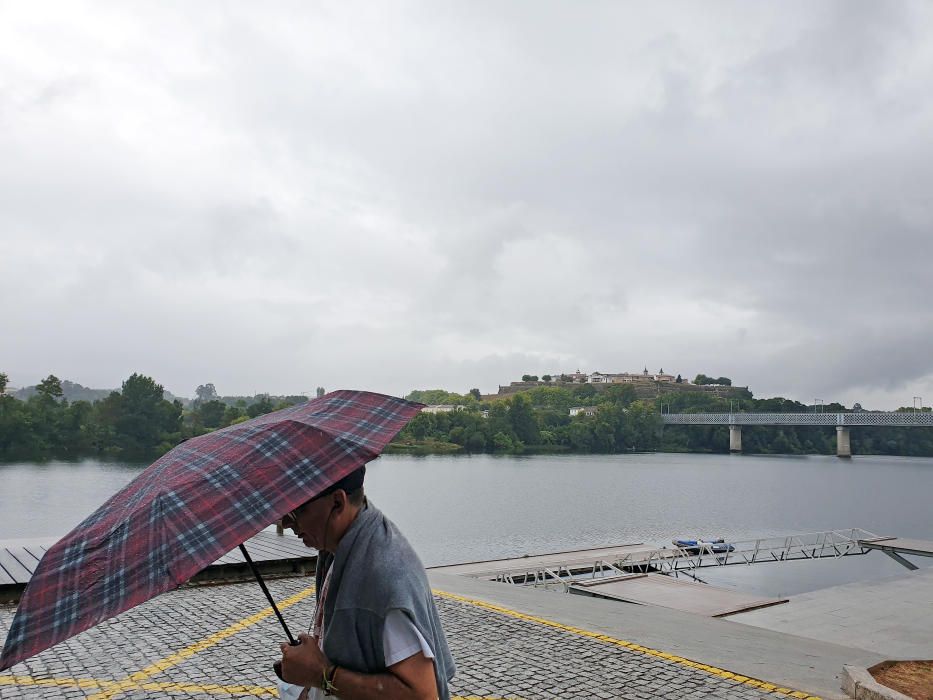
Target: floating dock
598,572
273,554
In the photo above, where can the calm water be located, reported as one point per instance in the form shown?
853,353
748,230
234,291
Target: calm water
456,509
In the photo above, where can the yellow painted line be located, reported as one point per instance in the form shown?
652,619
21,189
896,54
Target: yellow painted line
637,648
114,687
54,682
216,638
209,688
132,681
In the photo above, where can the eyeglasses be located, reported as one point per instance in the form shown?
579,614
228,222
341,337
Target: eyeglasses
290,519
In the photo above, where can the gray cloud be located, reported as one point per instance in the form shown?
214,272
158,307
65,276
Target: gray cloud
453,194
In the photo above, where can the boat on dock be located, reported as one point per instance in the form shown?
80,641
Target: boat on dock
717,546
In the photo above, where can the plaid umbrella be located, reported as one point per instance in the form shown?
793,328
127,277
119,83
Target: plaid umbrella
192,506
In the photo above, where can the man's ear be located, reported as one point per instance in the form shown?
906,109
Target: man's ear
340,499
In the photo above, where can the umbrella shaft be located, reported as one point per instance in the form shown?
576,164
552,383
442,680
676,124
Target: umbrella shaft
262,585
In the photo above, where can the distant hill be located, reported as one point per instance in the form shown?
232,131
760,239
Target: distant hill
644,389
76,392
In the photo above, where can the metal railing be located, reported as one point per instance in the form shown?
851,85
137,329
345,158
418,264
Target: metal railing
828,544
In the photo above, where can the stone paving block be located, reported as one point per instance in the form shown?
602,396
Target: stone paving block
497,655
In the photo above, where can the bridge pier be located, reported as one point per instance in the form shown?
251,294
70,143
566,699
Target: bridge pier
843,446
735,438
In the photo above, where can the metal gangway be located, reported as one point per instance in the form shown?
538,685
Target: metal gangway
564,569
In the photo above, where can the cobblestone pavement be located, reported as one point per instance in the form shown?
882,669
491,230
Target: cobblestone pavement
220,641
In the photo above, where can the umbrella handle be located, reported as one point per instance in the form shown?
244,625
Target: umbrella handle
262,585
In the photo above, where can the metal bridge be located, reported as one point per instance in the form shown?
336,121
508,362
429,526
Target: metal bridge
841,421
862,418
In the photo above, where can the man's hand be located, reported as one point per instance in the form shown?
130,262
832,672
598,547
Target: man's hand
305,663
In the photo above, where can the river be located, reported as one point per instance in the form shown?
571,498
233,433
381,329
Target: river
465,508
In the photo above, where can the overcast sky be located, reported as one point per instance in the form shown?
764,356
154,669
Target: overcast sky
388,196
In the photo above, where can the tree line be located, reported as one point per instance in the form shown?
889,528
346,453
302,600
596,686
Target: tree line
539,420
134,423
138,423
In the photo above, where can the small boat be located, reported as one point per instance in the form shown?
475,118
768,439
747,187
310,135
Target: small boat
719,546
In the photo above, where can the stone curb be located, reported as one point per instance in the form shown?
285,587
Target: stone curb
859,684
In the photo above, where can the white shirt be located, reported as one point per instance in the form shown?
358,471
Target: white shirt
400,640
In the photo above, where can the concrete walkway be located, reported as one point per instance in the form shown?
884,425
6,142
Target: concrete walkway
220,641
789,661
891,616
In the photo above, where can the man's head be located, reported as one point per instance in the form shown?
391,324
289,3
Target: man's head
322,521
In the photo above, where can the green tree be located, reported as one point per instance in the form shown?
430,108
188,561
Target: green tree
4,380
580,434
498,420
50,388
476,394
205,393
261,407
435,397
584,391
522,420
47,417
16,429
501,442
457,435
232,414
212,413
642,426
620,394
419,426
476,442
142,421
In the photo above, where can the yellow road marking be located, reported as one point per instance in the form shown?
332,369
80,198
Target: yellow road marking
133,680
114,687
54,682
210,688
719,672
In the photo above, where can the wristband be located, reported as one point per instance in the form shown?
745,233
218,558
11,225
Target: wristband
327,680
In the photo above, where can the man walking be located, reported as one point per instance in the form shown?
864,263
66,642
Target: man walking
376,632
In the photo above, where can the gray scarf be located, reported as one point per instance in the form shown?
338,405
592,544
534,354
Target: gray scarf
375,571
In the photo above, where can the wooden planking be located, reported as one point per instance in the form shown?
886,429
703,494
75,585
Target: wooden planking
19,559
277,547
35,552
286,545
13,566
6,579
